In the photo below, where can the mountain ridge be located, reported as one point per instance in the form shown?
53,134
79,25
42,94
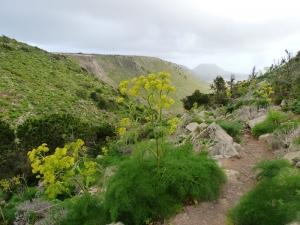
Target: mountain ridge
209,71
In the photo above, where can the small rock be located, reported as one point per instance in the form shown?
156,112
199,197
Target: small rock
296,159
291,155
266,137
297,164
255,121
231,174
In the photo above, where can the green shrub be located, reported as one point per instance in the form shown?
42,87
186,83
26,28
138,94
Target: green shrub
7,136
274,200
198,97
239,104
269,169
55,130
277,117
140,192
262,103
80,210
296,141
271,123
229,109
81,94
278,100
231,128
7,149
208,114
103,133
197,120
263,128
296,106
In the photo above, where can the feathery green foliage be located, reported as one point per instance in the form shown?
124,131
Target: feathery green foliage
296,106
272,122
231,128
80,210
139,191
274,200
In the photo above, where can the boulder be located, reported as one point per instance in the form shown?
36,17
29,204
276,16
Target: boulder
249,113
291,156
255,121
202,126
192,126
221,144
243,113
267,138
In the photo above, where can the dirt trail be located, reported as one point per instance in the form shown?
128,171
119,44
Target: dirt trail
240,180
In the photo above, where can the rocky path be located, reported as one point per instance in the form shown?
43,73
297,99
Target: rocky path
240,180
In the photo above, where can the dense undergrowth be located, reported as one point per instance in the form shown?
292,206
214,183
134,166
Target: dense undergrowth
140,176
272,122
140,192
274,200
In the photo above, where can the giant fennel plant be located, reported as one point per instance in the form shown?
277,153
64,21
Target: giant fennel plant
155,90
65,166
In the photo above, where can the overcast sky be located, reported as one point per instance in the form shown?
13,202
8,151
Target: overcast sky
234,34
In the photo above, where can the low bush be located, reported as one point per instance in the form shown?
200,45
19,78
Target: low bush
229,109
295,107
196,97
278,100
231,128
7,149
55,130
271,123
197,120
262,103
140,192
80,210
274,200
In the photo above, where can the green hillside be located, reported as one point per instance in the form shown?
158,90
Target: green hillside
34,82
115,68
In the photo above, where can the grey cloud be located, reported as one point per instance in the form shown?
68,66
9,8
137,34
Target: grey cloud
170,28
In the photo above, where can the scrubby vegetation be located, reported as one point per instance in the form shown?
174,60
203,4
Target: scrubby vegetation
140,192
274,200
271,123
133,166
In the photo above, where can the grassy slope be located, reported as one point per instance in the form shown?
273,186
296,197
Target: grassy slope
115,68
34,82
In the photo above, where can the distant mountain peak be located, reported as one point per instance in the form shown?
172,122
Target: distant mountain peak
209,71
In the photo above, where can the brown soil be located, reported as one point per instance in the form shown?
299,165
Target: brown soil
240,180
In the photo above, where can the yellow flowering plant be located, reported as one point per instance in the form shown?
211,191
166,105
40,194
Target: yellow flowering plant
266,91
64,167
155,90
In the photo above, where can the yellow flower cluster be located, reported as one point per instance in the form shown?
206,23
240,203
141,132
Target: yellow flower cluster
4,184
151,82
124,122
104,150
17,179
195,106
228,93
266,91
173,124
59,169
